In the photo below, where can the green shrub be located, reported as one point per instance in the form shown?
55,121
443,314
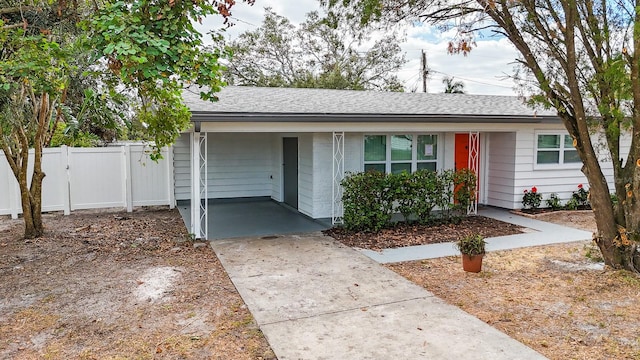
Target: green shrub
63,136
403,189
553,202
367,201
572,204
371,198
429,189
464,183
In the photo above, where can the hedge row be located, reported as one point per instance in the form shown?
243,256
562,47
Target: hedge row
371,198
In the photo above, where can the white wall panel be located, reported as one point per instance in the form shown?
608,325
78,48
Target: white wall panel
182,167
53,185
240,165
305,174
501,166
149,179
276,168
96,178
323,174
7,186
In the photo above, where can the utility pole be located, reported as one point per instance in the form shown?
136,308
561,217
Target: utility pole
425,71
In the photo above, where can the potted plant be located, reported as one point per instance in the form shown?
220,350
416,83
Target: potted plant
472,249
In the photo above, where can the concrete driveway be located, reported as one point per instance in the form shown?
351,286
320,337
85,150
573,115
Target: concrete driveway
314,298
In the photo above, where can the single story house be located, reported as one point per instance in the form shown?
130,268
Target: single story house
295,145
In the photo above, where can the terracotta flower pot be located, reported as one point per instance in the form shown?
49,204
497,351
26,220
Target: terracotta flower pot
472,263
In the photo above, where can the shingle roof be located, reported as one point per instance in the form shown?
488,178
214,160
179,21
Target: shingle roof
256,100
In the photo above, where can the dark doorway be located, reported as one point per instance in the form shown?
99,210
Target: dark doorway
290,171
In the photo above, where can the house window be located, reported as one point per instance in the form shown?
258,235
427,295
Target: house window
401,153
404,153
556,149
427,152
375,153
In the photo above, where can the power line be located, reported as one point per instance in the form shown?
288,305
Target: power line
471,80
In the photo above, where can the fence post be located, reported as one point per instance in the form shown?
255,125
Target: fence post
66,183
127,177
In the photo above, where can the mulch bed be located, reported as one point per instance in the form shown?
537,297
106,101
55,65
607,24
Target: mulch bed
412,234
547,210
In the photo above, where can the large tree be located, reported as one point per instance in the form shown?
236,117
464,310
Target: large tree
313,55
584,58
147,48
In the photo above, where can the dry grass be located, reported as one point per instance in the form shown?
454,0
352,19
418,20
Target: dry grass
552,298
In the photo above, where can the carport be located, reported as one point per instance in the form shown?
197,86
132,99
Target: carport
236,218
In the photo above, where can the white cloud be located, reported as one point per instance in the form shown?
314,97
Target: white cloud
483,71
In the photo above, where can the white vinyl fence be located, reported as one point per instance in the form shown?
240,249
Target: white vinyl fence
89,178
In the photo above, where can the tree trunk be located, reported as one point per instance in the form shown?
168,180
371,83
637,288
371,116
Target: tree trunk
35,192
30,230
17,155
31,199
617,242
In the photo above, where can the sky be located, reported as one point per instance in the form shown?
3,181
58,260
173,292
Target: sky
484,71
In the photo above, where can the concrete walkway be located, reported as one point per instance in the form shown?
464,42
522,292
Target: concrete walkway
539,233
314,298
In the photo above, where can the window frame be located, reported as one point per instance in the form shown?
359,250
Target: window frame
561,164
414,151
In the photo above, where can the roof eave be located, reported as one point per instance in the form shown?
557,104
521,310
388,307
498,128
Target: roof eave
203,116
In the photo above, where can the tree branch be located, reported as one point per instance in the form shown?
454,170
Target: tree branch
18,9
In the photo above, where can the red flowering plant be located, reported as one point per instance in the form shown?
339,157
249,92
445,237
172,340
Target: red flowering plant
531,199
581,197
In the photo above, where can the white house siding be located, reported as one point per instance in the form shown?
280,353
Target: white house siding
276,168
243,163
512,170
323,168
305,174
182,168
501,166
448,143
353,152
239,165
322,174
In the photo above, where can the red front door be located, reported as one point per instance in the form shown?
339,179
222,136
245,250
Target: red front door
462,151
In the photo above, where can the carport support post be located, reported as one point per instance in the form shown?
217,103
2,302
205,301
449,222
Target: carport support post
474,165
195,185
337,209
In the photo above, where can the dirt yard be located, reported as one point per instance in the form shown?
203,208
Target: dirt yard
114,285
556,299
